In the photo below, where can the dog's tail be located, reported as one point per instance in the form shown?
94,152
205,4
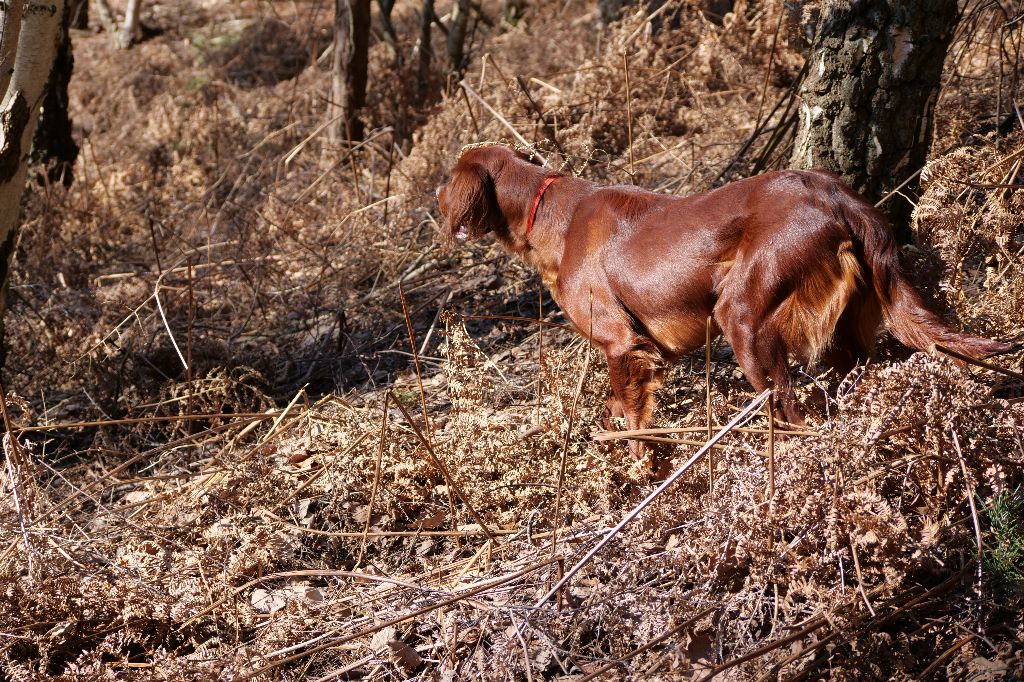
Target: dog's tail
906,315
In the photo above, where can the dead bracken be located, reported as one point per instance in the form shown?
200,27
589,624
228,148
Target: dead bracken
261,498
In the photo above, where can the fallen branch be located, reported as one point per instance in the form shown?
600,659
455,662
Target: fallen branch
233,416
516,318
619,435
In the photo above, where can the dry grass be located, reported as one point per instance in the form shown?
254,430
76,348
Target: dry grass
267,511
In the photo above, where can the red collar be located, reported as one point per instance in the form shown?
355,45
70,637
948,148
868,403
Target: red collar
536,203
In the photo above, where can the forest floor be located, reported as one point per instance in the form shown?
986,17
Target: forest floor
222,461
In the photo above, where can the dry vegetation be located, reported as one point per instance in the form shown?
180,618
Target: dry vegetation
277,510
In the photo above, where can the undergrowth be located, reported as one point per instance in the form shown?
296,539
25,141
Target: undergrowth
1004,547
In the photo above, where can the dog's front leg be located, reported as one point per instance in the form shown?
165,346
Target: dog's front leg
612,410
634,375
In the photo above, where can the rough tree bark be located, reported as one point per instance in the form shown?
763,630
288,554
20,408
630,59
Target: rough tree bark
53,147
869,95
349,68
29,37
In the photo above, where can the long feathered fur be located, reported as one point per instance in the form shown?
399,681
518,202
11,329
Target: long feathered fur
906,315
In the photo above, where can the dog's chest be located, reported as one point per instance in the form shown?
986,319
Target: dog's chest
548,273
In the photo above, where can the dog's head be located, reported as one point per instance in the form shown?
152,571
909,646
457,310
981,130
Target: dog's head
469,201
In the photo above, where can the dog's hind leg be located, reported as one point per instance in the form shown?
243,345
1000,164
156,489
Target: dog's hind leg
761,352
854,335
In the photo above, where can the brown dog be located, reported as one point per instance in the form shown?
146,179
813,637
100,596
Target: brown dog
787,264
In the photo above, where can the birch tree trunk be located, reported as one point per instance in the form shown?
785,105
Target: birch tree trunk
868,99
29,39
349,68
130,31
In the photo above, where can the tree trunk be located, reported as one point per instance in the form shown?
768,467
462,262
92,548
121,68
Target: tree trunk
53,146
30,46
11,14
130,30
868,99
425,53
457,33
386,27
349,68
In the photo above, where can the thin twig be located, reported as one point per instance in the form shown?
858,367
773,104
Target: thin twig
549,132
472,116
771,451
501,119
526,651
969,492
323,470
707,389
860,577
452,485
556,521
433,325
465,533
423,395
345,670
273,427
167,325
629,115
319,573
16,462
618,435
959,644
815,624
516,318
768,70
980,363
188,347
898,187
376,479
540,348
234,416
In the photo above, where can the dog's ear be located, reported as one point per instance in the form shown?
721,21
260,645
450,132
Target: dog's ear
468,202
